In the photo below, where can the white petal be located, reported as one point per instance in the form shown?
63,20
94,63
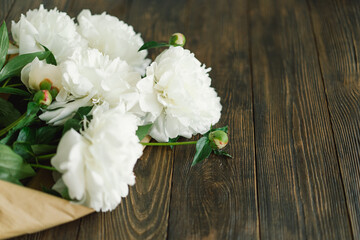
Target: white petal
114,38
97,165
73,170
181,86
157,131
59,112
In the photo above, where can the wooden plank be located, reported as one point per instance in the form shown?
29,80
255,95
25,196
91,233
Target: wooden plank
5,8
299,183
21,7
337,33
144,213
217,199
118,8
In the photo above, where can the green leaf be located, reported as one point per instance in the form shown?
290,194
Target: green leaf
24,150
224,129
8,138
62,189
71,123
47,134
15,65
41,149
4,44
8,113
14,91
31,112
203,150
50,191
65,194
51,58
172,140
142,131
153,44
7,177
222,153
27,134
81,112
75,122
12,164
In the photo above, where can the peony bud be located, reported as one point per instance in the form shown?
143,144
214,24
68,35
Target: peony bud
218,139
38,75
177,39
54,92
43,98
45,84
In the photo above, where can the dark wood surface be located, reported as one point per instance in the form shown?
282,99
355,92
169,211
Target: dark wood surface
288,74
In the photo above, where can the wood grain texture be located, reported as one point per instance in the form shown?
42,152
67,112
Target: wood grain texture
337,32
144,213
301,195
5,6
216,199
288,74
22,6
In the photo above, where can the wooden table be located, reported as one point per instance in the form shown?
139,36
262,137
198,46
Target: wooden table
288,75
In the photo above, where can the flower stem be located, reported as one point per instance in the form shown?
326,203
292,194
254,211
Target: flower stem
43,167
6,82
15,85
45,157
9,127
169,143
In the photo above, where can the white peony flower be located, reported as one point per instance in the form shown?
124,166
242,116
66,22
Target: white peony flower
51,28
177,97
114,38
37,71
95,79
97,165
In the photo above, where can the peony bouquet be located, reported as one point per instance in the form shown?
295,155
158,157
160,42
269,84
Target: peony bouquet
78,98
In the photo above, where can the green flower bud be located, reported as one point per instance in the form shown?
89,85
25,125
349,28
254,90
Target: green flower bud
43,98
54,92
46,84
218,139
177,39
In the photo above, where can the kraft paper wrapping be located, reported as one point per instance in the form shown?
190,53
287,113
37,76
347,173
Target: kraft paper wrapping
25,210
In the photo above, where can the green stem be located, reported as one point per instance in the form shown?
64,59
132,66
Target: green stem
9,127
168,144
15,85
6,82
43,167
44,157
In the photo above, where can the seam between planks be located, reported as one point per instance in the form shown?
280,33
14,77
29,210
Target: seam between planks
128,6
170,198
330,116
10,9
78,230
253,116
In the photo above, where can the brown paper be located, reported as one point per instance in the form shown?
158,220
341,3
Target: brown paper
24,210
